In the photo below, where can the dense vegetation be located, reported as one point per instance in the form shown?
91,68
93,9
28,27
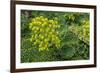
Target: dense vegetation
54,36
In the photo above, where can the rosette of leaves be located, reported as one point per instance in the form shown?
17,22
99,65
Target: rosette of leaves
45,33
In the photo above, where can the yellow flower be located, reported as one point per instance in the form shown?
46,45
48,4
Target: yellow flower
44,32
42,37
40,45
45,19
56,22
58,26
35,43
46,40
33,28
50,25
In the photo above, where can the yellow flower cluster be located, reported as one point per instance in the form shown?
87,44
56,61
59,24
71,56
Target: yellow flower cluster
44,33
86,32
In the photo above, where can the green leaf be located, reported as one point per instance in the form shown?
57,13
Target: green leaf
67,52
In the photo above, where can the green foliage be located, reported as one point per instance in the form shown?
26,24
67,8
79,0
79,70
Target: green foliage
54,36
